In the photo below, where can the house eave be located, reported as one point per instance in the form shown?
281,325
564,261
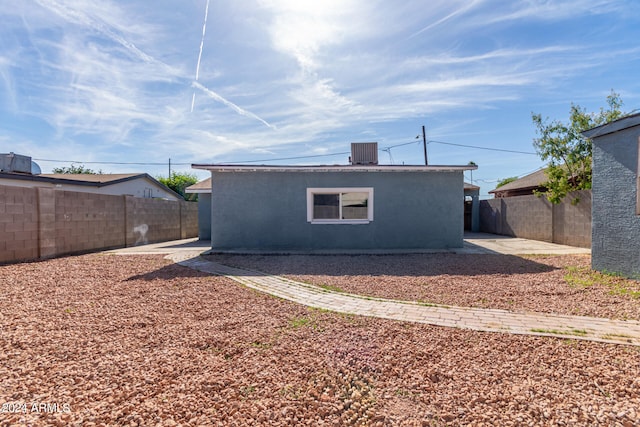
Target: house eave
333,168
612,127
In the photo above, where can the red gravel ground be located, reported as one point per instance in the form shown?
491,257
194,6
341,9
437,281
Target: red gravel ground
111,340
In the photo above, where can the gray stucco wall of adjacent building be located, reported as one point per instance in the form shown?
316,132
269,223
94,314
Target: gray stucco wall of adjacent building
615,245
268,211
204,216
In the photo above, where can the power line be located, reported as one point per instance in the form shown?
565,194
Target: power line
385,149
288,158
110,163
483,148
190,163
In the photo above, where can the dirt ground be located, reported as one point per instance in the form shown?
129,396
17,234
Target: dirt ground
135,340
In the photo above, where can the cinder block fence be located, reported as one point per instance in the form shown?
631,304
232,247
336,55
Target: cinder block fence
44,222
535,218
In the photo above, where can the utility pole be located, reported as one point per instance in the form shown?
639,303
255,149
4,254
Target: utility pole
424,142
169,168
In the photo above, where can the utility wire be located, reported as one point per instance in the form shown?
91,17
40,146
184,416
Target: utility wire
483,148
287,158
385,149
190,163
110,163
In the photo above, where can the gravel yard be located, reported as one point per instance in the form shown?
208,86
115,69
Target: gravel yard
135,340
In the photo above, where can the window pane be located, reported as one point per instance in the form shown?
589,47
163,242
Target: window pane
355,205
326,206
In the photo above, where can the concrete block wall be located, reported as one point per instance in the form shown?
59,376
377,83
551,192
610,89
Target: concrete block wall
189,227
85,221
44,222
535,218
572,223
18,223
151,221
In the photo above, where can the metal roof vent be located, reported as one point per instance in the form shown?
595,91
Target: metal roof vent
10,162
364,153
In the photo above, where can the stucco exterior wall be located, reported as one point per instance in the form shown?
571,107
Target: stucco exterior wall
268,211
616,226
204,216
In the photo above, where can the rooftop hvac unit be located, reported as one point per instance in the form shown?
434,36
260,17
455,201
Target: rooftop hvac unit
364,153
10,162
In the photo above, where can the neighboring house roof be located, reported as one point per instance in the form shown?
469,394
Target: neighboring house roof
101,178
468,187
203,186
614,126
87,180
522,186
332,168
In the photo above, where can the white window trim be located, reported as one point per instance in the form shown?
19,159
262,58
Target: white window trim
334,190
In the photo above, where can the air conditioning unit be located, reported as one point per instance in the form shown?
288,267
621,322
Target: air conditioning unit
364,153
10,162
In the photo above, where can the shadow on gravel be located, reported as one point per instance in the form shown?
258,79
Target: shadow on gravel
168,272
385,265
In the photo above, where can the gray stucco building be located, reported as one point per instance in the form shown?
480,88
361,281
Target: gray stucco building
328,208
203,190
615,241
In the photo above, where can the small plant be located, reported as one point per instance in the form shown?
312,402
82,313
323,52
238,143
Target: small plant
298,322
572,331
261,345
585,277
626,337
247,390
331,288
291,392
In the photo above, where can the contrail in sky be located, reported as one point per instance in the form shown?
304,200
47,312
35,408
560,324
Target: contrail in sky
446,18
230,104
204,31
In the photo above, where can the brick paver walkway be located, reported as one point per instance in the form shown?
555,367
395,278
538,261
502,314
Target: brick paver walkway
489,320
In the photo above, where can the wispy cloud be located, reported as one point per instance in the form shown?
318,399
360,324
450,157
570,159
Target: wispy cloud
78,17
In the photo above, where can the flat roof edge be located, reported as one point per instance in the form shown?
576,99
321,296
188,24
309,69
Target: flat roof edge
614,126
334,168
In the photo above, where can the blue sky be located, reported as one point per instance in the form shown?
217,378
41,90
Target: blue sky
136,82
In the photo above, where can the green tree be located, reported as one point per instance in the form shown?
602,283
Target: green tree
506,181
567,152
73,169
178,181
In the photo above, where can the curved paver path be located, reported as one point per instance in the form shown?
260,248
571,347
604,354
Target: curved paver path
489,320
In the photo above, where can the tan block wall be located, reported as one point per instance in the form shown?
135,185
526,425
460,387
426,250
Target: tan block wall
535,218
189,220
44,222
86,221
152,220
18,224
572,223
